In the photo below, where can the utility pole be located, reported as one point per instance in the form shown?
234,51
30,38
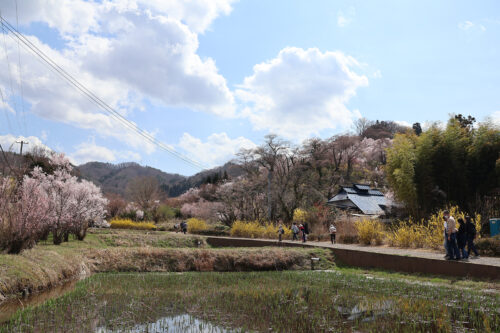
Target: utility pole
22,142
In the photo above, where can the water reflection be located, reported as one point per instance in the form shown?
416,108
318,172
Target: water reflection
174,324
8,308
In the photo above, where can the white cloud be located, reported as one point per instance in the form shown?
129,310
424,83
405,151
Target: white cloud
216,150
345,18
469,25
403,123
301,92
127,52
495,117
8,143
90,151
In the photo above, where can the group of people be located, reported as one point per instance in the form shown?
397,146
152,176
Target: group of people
182,227
302,229
457,237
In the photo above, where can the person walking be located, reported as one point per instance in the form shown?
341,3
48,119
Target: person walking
445,237
280,233
184,227
462,239
470,231
333,232
295,231
451,231
302,230
306,231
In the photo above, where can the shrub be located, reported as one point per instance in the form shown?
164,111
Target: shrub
408,234
254,229
489,246
300,215
195,225
129,224
426,233
370,231
346,231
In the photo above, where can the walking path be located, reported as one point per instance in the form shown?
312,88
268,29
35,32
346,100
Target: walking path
397,259
421,253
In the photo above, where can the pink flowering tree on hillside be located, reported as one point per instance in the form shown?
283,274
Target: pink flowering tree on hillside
47,202
87,206
24,211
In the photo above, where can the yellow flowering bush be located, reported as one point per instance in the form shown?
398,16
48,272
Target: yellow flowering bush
254,229
370,231
427,233
195,225
300,215
129,224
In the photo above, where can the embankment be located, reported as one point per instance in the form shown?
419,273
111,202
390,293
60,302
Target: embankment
41,268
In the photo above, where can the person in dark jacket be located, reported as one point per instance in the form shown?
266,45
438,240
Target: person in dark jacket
470,231
303,231
306,230
462,239
184,227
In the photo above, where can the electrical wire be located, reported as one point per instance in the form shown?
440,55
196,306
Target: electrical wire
90,95
21,88
10,77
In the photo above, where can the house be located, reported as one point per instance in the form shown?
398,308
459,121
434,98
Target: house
360,198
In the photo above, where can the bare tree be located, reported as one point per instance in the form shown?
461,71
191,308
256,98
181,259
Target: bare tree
361,125
144,191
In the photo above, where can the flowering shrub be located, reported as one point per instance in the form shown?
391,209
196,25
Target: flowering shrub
195,225
42,203
300,215
370,231
427,233
129,224
254,229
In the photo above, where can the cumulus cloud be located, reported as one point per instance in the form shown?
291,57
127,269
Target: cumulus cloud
301,92
8,143
125,51
216,150
90,151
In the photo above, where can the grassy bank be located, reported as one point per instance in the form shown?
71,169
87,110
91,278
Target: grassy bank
339,300
137,251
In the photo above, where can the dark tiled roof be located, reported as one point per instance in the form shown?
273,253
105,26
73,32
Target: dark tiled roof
367,200
362,187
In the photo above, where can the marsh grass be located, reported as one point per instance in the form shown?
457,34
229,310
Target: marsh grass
340,300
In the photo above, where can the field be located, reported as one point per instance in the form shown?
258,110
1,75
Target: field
134,280
48,265
301,301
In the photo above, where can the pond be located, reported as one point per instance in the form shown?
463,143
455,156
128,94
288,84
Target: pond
264,301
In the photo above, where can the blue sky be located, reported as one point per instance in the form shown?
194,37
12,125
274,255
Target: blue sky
210,77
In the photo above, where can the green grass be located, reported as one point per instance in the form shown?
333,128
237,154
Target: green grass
306,301
47,265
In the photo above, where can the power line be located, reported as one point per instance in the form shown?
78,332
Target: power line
23,114
95,99
10,74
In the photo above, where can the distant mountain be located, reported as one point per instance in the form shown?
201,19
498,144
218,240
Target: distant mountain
114,178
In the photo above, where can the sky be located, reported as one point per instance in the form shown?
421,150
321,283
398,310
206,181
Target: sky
210,77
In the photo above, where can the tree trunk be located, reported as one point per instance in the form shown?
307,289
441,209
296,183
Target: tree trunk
57,237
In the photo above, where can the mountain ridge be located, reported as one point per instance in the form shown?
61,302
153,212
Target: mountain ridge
114,178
